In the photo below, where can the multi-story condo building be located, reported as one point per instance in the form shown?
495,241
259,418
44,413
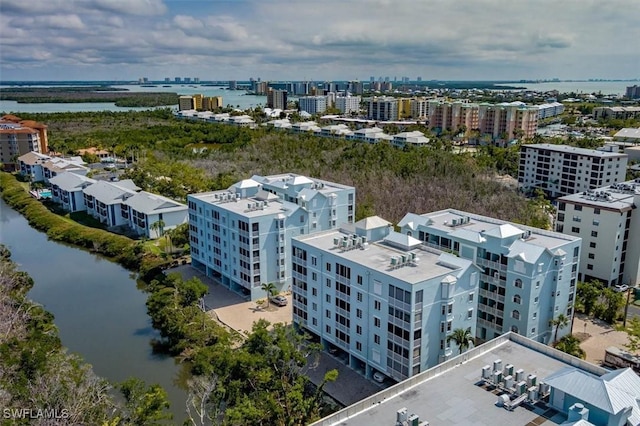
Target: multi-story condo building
356,87
606,220
382,298
619,112
561,170
528,275
185,102
242,235
550,109
348,104
633,92
66,189
452,116
276,98
419,108
212,103
404,108
507,121
313,104
383,108
19,137
31,165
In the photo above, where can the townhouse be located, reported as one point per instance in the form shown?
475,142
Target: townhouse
67,190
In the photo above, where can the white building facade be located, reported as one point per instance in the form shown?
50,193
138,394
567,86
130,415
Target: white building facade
348,104
381,298
528,275
242,236
313,104
608,222
561,170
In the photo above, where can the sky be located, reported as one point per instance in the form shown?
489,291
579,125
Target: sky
319,40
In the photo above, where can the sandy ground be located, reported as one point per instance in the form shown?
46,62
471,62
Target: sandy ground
600,335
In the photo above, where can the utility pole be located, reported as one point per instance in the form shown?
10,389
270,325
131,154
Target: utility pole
626,308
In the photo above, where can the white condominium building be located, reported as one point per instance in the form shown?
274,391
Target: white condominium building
348,104
609,225
561,170
383,108
313,104
242,235
382,299
528,276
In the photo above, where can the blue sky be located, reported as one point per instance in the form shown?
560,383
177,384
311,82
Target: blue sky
320,40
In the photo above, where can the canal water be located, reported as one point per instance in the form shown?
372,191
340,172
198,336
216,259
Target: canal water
100,313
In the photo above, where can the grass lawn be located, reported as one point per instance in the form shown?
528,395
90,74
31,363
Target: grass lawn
151,247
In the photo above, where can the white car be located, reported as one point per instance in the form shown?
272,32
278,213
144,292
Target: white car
378,377
621,288
279,300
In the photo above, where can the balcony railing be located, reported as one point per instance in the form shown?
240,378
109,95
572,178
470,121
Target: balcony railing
491,264
493,295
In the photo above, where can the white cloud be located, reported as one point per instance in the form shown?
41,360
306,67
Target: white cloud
332,39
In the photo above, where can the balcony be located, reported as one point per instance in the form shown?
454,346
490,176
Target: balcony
491,264
490,310
493,295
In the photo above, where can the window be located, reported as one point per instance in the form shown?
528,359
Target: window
449,325
575,229
358,329
359,313
328,298
358,344
596,222
359,297
514,328
359,279
535,315
328,267
589,266
327,329
596,211
533,330
592,244
535,300
515,314
592,256
329,282
577,208
470,299
470,313
314,261
314,306
594,233
314,321
327,313
518,283
517,299
577,219
377,305
376,339
376,322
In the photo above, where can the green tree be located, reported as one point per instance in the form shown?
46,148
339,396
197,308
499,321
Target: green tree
633,334
158,227
462,338
560,322
144,405
587,295
613,304
571,345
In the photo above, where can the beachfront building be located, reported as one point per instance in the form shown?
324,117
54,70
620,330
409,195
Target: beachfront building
507,121
561,170
528,275
609,225
380,298
242,235
67,190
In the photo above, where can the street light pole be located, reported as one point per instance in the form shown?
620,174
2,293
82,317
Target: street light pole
626,308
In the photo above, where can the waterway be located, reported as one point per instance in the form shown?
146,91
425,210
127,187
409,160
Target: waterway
235,98
100,313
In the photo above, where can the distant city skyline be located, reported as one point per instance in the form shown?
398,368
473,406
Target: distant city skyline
330,40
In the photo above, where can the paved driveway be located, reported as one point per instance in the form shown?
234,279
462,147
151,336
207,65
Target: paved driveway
232,309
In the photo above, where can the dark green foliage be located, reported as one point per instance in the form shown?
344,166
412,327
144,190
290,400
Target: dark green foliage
144,405
571,345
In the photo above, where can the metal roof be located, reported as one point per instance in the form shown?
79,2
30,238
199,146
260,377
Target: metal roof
148,203
71,182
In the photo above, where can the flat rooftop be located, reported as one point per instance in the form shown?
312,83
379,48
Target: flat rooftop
377,256
574,150
248,207
617,196
486,225
452,393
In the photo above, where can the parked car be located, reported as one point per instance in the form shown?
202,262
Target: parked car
620,288
378,377
279,300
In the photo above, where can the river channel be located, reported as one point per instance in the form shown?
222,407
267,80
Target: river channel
100,313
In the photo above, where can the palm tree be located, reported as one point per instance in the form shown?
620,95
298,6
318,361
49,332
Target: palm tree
270,289
559,323
570,345
158,226
463,338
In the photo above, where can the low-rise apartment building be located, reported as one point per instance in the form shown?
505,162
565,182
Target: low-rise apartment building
609,225
618,112
415,138
561,170
528,276
381,298
30,165
67,190
105,201
242,235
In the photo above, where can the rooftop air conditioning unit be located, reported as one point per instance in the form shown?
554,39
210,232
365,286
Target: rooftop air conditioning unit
402,415
508,369
508,382
497,365
521,388
519,375
497,377
532,380
413,420
486,372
